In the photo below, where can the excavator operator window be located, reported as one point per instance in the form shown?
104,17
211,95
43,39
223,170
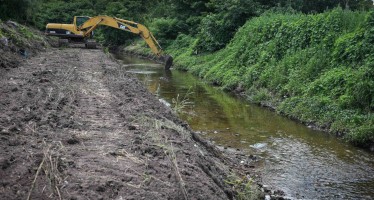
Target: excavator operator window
81,20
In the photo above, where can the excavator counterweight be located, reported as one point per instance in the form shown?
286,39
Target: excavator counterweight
82,31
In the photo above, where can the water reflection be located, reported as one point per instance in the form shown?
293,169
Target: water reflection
304,163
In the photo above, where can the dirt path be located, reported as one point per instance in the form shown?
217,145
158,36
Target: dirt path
75,125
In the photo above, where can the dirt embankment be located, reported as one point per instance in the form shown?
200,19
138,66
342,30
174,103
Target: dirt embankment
75,125
18,42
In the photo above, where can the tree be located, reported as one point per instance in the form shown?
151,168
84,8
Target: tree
14,9
318,6
217,28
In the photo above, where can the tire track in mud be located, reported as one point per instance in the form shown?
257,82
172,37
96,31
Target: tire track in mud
102,156
96,133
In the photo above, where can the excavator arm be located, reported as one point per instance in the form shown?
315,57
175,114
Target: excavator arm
125,25
84,26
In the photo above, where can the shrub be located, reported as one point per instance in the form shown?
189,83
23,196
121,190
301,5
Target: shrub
165,29
319,68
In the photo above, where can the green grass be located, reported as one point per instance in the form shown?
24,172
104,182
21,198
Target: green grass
315,68
246,188
21,35
26,32
181,103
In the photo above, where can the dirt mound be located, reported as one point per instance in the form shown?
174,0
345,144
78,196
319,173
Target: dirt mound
18,42
75,125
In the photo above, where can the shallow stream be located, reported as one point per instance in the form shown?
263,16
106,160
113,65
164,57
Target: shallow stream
304,163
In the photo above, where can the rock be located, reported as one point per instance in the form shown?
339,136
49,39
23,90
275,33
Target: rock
72,141
23,53
266,188
14,128
127,178
279,192
14,142
132,127
165,102
4,41
12,23
43,80
100,189
4,132
258,145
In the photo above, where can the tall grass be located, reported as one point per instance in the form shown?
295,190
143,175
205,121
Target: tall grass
316,68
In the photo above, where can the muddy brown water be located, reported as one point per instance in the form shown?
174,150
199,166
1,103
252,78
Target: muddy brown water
304,163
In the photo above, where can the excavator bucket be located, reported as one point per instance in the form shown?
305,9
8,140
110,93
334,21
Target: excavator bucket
168,60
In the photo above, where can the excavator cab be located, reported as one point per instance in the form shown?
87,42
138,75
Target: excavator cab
79,20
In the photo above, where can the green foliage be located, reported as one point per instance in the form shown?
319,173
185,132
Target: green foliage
217,29
214,22
364,133
213,34
246,188
318,6
180,104
59,11
190,12
116,9
182,49
21,37
25,32
165,29
14,9
316,68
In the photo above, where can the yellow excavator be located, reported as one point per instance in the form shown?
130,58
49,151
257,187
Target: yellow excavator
82,31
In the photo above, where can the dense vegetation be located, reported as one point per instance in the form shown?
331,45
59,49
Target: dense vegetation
213,22
307,59
315,68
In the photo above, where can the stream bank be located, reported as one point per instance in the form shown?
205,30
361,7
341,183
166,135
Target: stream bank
315,68
302,162
74,125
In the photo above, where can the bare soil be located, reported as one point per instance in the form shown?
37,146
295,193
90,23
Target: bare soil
75,125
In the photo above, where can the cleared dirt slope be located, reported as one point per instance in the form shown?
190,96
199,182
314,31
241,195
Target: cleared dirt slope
75,125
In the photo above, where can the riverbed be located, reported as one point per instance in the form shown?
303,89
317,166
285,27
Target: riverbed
302,162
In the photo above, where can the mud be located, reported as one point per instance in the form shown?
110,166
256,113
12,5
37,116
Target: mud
75,125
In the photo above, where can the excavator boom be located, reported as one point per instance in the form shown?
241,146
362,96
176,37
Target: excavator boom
125,25
83,28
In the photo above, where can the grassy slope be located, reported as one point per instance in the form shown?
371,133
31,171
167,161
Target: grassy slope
16,42
315,68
